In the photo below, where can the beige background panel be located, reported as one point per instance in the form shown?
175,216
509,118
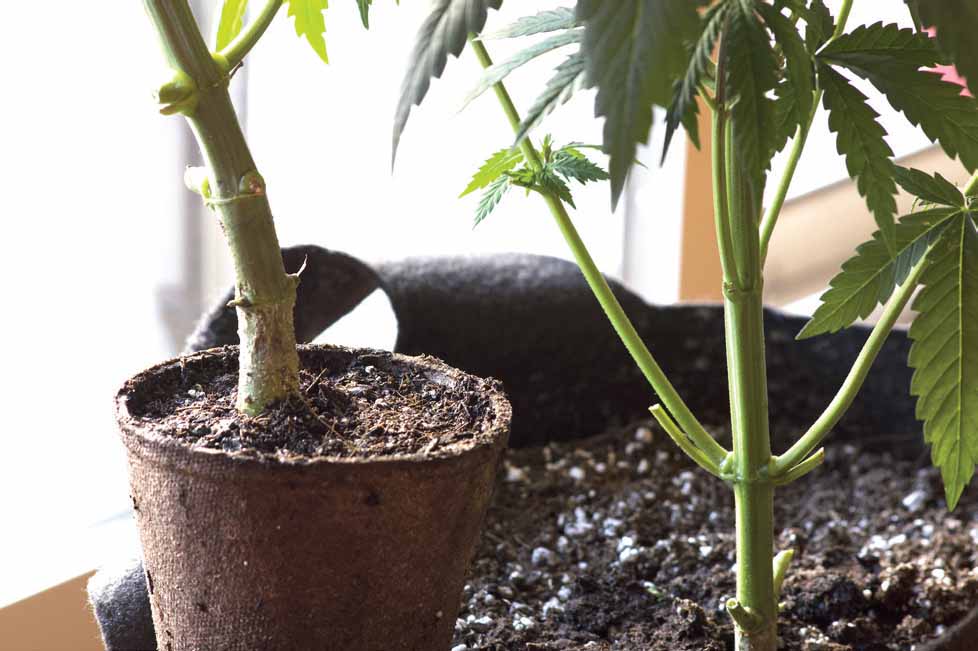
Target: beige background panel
819,231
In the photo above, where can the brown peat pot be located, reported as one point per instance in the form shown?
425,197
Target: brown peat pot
353,554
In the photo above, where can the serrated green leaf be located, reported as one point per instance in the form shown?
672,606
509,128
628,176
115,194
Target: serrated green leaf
524,177
364,7
938,108
957,24
869,47
568,78
547,181
550,20
800,65
914,13
819,25
891,59
932,189
571,164
499,71
547,147
786,116
944,355
860,138
230,22
495,166
491,198
309,22
635,50
443,33
751,73
683,108
869,278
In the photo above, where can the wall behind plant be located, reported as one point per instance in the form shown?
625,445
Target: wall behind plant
327,156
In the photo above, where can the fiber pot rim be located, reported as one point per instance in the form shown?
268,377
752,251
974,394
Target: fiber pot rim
491,431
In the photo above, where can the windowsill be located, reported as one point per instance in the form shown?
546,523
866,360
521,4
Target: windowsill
52,557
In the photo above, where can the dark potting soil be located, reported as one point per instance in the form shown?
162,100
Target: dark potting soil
348,406
621,543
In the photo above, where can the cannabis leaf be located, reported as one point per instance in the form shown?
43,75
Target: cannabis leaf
819,25
309,22
572,164
495,166
800,65
869,47
891,58
937,107
549,182
869,278
444,32
932,189
230,23
550,20
683,109
364,7
559,166
499,71
491,198
944,355
860,138
750,65
785,116
568,77
957,24
635,49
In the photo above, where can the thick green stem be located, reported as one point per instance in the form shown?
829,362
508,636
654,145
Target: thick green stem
265,294
753,489
737,207
857,376
599,286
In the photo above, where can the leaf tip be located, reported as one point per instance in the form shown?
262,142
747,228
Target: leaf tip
952,494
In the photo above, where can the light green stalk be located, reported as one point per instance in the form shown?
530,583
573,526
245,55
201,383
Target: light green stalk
237,49
692,428
264,293
972,187
754,610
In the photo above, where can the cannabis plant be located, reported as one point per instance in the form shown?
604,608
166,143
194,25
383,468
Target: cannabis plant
230,183
761,68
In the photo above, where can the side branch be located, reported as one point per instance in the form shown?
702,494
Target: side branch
238,49
854,381
686,445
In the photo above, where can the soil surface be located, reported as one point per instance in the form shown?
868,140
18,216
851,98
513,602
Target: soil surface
361,406
621,543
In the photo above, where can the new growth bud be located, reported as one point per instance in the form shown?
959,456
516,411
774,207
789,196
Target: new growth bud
178,95
196,180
